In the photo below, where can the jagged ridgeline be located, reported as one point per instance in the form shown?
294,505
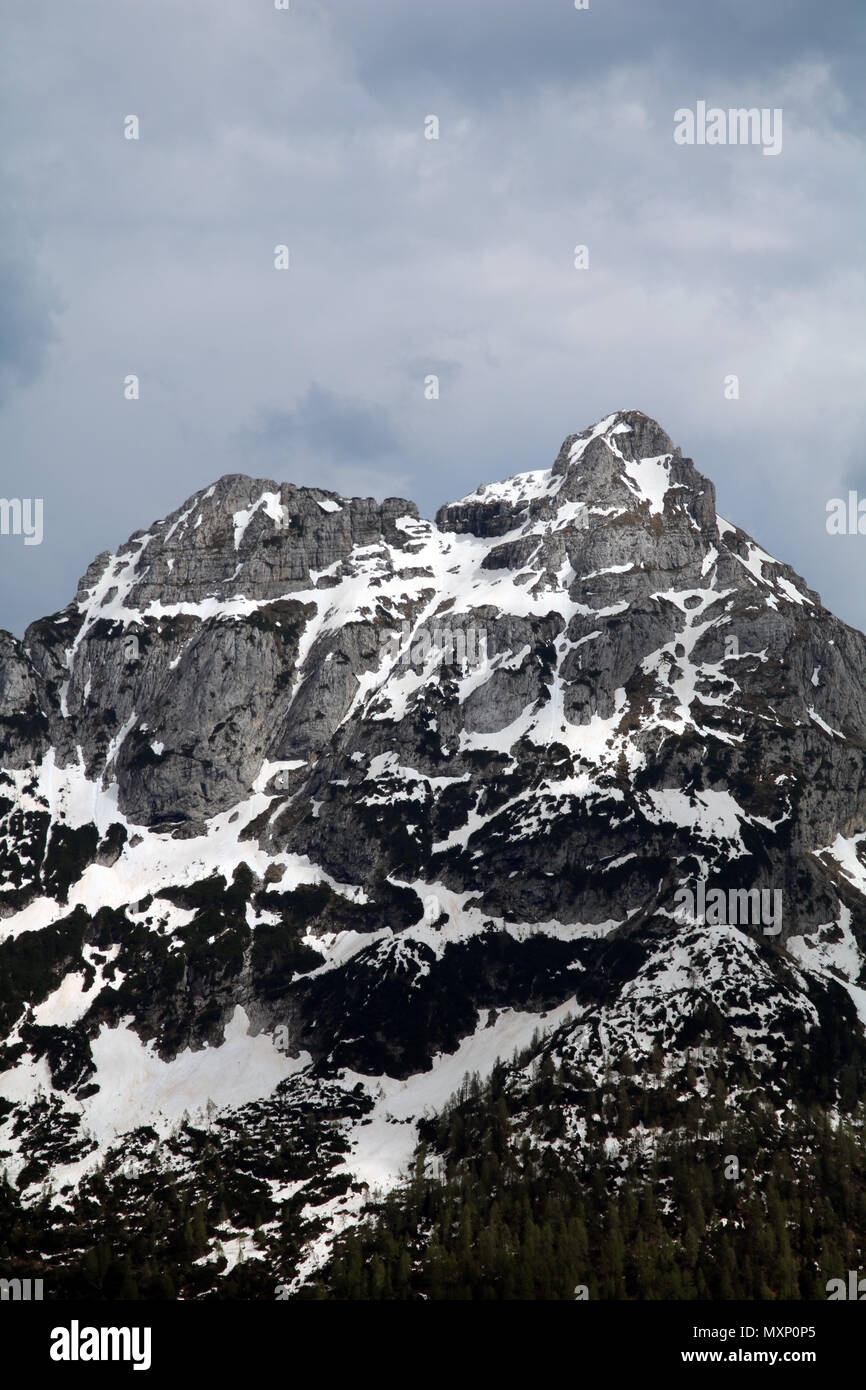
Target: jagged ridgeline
310,807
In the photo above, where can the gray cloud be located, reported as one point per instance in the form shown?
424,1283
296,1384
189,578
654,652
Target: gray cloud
325,423
27,325
493,49
409,256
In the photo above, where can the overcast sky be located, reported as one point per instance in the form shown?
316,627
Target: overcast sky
411,256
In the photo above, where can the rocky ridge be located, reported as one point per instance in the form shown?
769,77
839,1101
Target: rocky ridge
306,796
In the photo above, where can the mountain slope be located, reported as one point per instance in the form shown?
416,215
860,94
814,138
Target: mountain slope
309,806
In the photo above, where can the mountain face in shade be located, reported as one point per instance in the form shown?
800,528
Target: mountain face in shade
309,806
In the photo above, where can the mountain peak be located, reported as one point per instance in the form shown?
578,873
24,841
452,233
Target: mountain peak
300,768
623,467
628,434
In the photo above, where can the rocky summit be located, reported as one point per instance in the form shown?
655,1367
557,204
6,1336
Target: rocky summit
309,807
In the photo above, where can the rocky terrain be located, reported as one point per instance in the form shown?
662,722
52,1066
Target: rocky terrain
309,807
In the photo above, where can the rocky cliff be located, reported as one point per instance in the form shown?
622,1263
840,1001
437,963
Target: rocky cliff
308,806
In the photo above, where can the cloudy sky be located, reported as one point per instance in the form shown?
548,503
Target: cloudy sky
410,256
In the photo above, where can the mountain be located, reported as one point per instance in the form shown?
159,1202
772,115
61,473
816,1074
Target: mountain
309,807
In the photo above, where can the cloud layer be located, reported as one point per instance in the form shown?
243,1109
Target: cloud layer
411,257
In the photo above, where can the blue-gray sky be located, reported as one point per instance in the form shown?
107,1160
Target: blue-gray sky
411,256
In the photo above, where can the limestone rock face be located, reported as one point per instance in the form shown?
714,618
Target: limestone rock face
290,761
187,641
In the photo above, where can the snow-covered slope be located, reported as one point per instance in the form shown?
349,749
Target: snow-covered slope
308,805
